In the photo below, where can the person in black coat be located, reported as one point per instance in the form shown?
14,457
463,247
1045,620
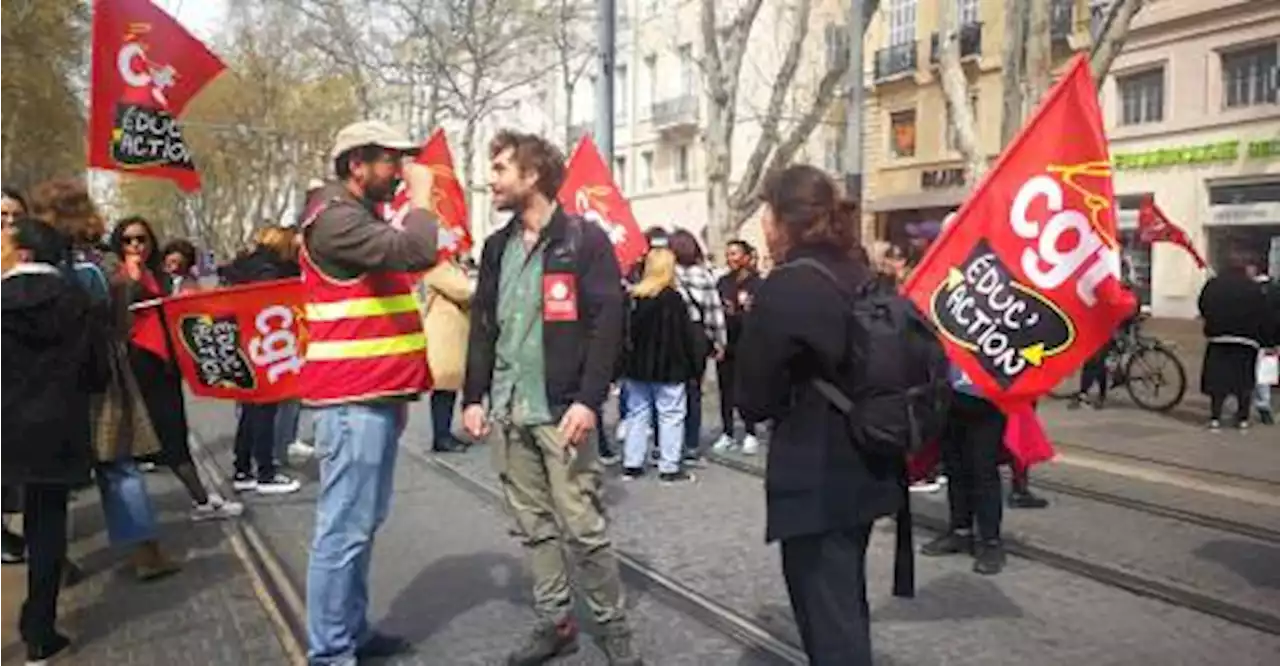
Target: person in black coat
49,369
821,493
1234,310
274,258
657,365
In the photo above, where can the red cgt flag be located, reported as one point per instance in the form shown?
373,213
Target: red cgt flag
449,202
146,68
589,191
1025,285
241,343
1154,227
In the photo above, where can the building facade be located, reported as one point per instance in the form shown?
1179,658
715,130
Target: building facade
915,174
1193,117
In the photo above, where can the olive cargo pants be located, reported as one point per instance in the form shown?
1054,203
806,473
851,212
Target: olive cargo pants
552,491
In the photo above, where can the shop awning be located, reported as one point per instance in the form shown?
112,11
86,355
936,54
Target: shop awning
949,198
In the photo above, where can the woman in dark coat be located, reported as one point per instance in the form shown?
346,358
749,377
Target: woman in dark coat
159,379
822,494
49,370
1234,310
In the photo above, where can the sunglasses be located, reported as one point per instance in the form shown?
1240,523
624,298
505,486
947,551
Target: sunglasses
134,240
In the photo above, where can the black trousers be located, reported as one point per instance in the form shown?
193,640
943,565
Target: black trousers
1095,372
693,413
44,524
826,577
256,439
971,449
442,403
726,376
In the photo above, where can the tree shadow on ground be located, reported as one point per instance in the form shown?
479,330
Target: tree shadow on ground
449,587
1254,562
954,596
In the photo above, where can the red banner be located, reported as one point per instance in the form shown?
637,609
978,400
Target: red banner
448,201
589,191
241,343
146,68
1154,227
1025,285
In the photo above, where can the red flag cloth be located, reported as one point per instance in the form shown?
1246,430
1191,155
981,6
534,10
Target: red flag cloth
1024,285
1024,438
146,67
1154,227
448,201
147,330
242,343
589,191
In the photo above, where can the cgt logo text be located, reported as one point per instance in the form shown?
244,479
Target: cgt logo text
1046,265
276,347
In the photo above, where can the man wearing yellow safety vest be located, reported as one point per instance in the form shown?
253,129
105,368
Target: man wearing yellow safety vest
365,361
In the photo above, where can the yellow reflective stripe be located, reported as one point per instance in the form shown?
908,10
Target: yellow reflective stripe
361,307
333,350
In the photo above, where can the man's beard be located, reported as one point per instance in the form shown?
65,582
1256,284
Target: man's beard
513,203
381,192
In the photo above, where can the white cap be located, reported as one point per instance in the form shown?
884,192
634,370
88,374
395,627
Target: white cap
369,133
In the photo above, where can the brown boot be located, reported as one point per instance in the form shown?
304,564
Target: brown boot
150,563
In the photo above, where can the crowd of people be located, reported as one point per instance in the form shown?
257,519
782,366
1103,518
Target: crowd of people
529,352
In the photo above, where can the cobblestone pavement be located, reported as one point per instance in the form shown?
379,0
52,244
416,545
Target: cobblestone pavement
448,576
208,614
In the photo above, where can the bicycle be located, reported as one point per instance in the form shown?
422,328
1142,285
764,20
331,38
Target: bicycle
1145,366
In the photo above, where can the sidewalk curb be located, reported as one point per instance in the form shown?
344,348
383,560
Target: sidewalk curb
272,586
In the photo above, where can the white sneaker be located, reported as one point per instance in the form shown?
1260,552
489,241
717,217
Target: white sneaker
147,467
941,479
925,487
278,485
300,450
723,444
216,508
750,445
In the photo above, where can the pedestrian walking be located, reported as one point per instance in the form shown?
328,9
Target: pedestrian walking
49,373
364,364
660,358
1234,311
447,304
546,324
121,426
737,294
822,492
1267,356
698,287
273,258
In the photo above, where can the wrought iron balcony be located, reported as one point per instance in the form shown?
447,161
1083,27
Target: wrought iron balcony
675,112
970,43
896,59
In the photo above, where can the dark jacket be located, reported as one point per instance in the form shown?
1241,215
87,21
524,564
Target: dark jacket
49,369
261,265
348,238
579,354
816,480
1234,305
733,292
660,340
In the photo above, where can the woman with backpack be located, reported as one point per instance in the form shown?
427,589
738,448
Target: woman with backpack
822,492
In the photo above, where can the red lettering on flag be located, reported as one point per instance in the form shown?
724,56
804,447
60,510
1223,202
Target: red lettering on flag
1025,285
589,191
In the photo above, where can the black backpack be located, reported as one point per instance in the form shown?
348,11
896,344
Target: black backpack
898,371
900,390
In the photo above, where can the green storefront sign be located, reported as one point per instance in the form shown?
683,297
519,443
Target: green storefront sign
1208,153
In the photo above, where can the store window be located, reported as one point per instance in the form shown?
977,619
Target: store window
1136,254
1142,97
1249,76
902,133
1245,217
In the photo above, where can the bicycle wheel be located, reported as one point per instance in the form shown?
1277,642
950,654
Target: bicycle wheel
1155,378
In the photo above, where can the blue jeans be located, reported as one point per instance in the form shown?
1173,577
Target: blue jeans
670,402
1262,397
130,517
356,445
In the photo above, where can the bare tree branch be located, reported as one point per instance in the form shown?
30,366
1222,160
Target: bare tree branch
956,88
1111,40
1013,59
